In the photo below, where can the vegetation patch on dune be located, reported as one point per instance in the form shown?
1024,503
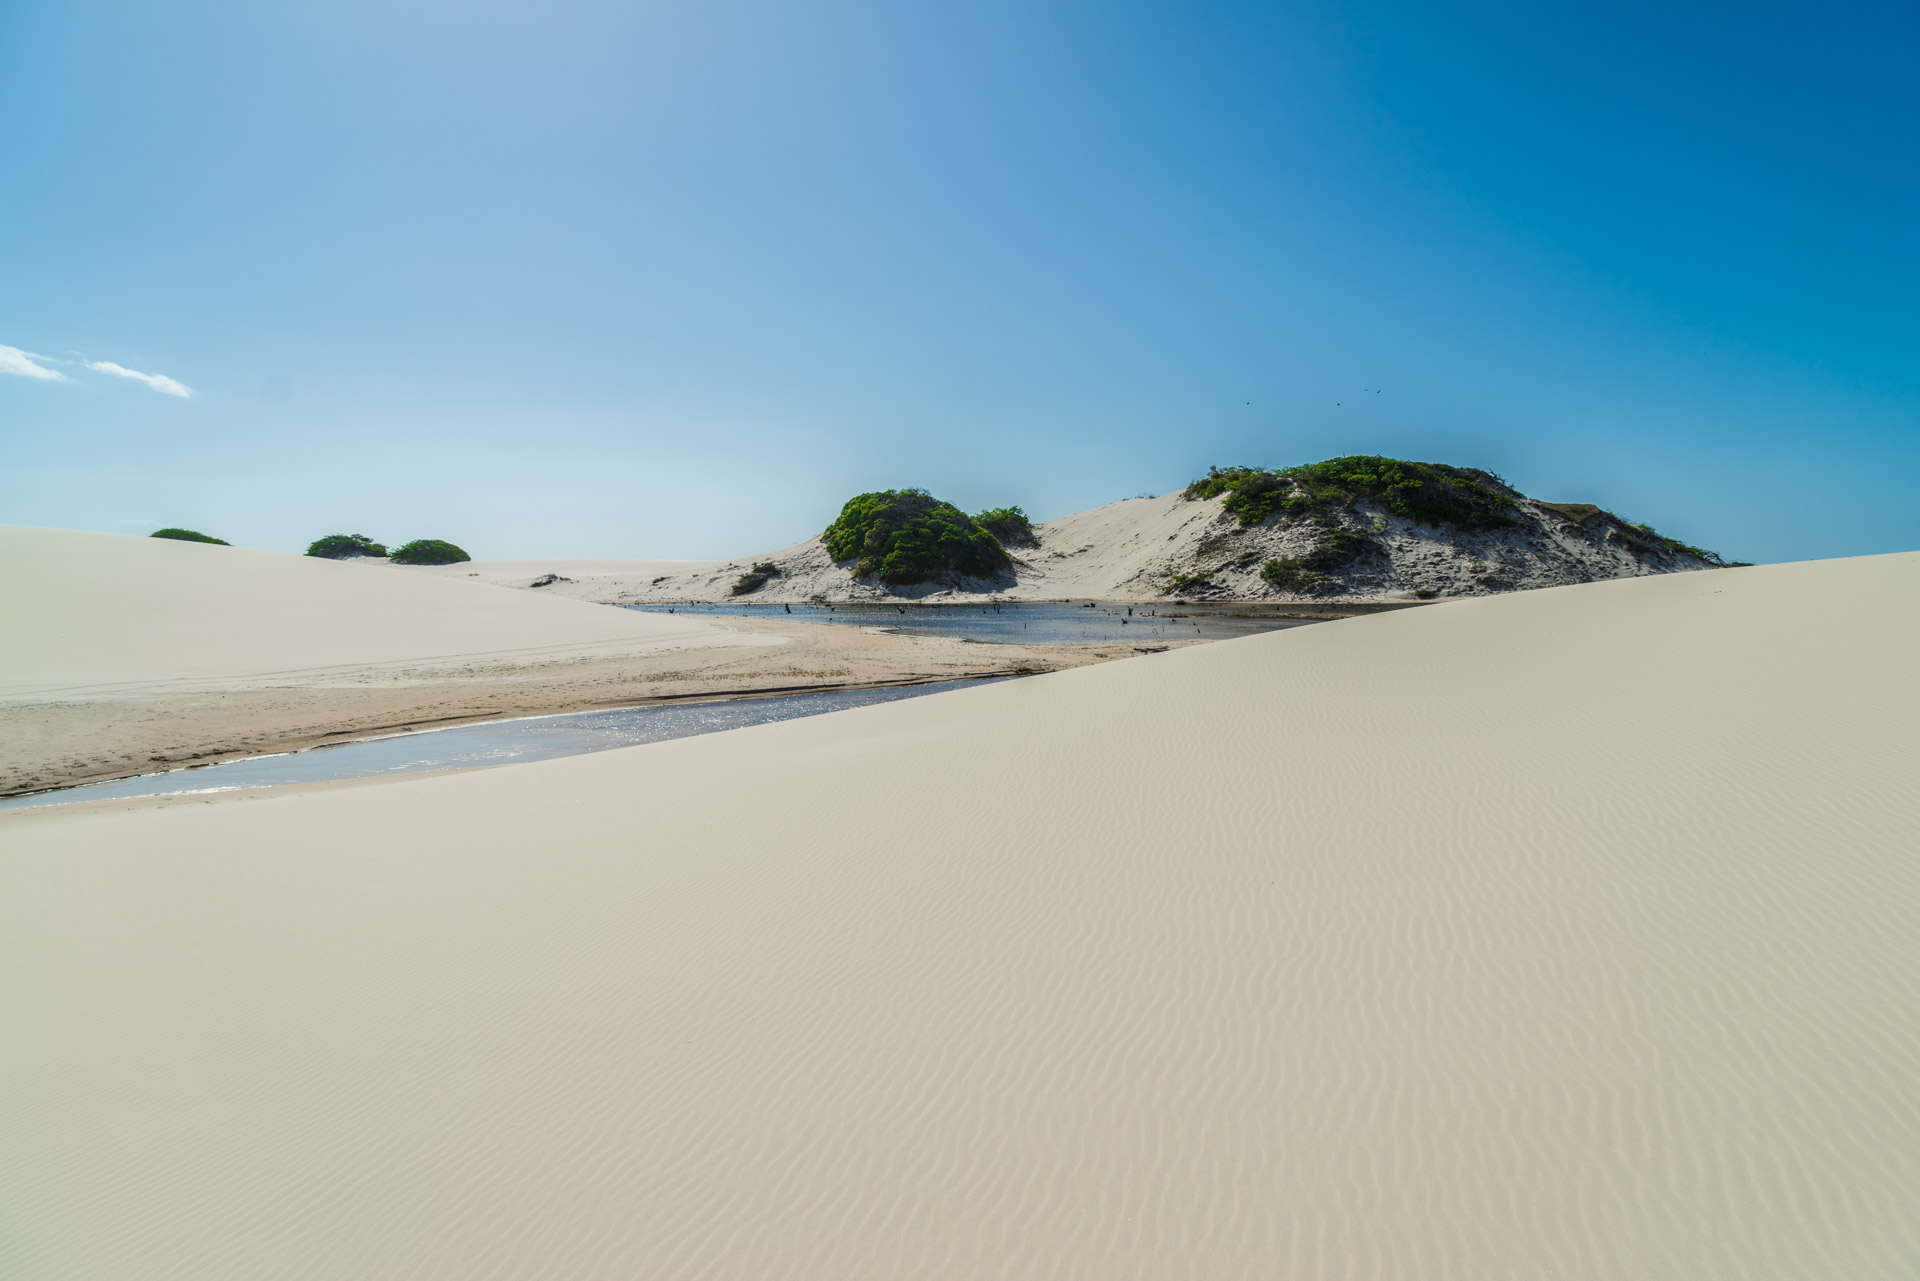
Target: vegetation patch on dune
1648,537
188,536
345,546
1429,493
1290,574
428,551
906,536
1641,538
754,579
1007,524
1251,493
1578,513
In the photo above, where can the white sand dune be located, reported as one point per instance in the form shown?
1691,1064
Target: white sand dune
1561,934
88,612
578,577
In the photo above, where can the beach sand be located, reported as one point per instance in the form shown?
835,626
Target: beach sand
122,656
1563,934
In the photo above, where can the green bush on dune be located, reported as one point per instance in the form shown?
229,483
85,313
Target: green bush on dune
1007,524
344,546
1290,574
754,579
1647,537
189,536
905,536
428,551
1429,493
1251,493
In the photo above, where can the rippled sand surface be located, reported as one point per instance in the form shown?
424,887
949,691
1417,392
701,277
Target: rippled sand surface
1568,934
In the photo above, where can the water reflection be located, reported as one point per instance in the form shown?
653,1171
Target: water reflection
1022,623
535,738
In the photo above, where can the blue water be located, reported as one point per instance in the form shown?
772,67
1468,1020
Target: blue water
533,738
1035,624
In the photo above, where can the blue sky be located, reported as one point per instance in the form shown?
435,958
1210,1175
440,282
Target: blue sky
676,279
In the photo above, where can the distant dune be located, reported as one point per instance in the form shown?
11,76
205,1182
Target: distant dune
1566,933
90,613
1141,550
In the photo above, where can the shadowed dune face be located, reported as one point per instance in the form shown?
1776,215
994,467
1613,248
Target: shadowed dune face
1559,934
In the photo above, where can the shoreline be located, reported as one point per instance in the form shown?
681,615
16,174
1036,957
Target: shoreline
343,738
1312,610
60,742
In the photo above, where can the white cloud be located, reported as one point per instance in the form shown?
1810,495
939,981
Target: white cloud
27,364
15,361
159,382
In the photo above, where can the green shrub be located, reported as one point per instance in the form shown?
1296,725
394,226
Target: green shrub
428,551
1430,493
904,536
756,578
1251,493
1290,574
1007,524
1578,513
1646,538
1338,547
189,536
342,546
1181,582
1426,593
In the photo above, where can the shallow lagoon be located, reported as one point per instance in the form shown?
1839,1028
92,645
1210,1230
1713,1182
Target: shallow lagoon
532,738
1022,623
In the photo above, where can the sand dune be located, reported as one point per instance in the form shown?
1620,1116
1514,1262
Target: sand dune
1561,934
1130,551
89,612
575,577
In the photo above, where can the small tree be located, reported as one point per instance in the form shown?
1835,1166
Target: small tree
1008,524
345,547
905,536
428,551
1289,574
754,579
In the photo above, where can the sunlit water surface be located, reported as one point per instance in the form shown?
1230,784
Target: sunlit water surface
1031,624
534,738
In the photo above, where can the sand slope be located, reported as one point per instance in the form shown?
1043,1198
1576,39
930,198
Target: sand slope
575,577
87,611
1562,934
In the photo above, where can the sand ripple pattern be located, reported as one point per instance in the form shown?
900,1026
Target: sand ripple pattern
1569,934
